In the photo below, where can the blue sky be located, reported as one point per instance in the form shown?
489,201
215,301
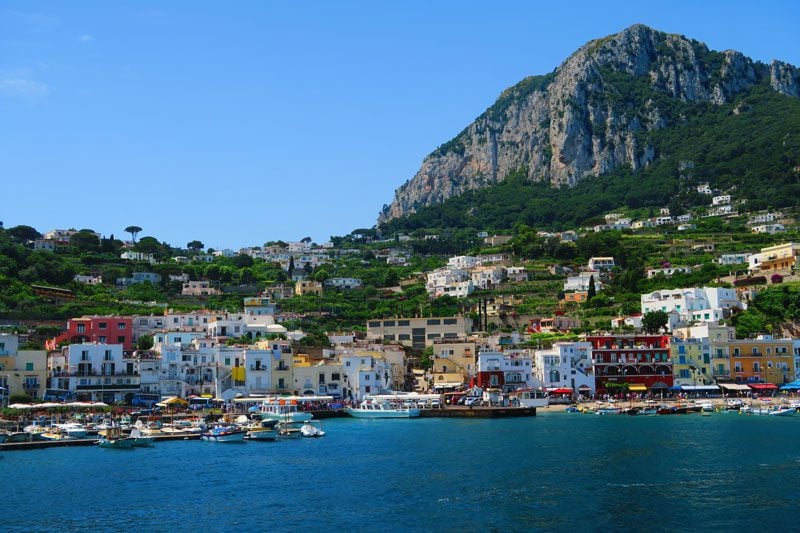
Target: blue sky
237,123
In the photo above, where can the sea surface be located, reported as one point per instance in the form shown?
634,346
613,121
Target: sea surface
554,472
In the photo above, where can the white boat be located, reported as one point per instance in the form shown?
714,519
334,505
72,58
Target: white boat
531,398
284,410
223,433
608,410
75,430
707,407
371,408
783,411
140,440
310,430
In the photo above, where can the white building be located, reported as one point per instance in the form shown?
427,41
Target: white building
668,271
462,262
567,365
363,374
516,369
769,229
707,304
487,277
722,199
449,280
580,282
732,259
343,283
98,372
601,263
517,273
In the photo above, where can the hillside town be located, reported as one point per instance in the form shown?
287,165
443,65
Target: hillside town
679,341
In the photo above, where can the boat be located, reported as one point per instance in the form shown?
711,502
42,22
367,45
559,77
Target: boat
281,409
289,430
707,407
531,397
112,438
734,404
310,430
223,433
140,440
371,408
261,430
55,433
75,430
783,411
608,410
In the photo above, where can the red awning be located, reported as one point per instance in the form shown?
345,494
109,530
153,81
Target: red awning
561,391
763,386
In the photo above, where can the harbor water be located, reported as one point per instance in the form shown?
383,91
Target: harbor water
554,472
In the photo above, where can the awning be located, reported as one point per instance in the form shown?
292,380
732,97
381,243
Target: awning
734,386
584,387
675,387
794,385
637,387
700,388
561,391
763,386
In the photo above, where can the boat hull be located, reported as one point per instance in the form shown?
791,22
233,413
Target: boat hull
231,436
117,444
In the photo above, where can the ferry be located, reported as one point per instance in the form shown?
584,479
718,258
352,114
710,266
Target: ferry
283,408
374,408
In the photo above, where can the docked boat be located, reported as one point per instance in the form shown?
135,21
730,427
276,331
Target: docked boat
113,439
371,408
140,440
707,407
531,397
281,409
261,430
223,433
609,410
74,430
310,430
783,411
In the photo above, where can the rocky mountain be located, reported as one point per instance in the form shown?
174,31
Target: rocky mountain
590,116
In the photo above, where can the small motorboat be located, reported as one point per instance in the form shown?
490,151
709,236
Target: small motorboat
310,430
223,433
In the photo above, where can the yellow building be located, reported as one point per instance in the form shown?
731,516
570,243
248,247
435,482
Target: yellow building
453,364
24,373
304,287
762,360
691,362
778,258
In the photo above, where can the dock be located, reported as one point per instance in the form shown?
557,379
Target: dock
478,412
69,443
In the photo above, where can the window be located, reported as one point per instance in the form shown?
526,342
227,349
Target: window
101,339
102,325
433,335
434,322
450,321
121,325
121,339
388,323
335,376
403,322
107,355
28,367
404,337
375,324
81,328
347,363
227,361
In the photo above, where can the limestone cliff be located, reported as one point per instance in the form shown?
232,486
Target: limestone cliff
582,120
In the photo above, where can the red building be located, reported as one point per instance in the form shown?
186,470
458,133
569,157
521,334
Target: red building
631,363
99,329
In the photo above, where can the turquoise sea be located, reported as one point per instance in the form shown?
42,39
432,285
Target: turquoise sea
555,472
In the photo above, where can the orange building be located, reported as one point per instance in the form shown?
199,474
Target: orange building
762,360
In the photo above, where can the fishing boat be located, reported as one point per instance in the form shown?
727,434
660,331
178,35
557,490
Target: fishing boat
75,430
113,439
372,408
223,433
310,430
